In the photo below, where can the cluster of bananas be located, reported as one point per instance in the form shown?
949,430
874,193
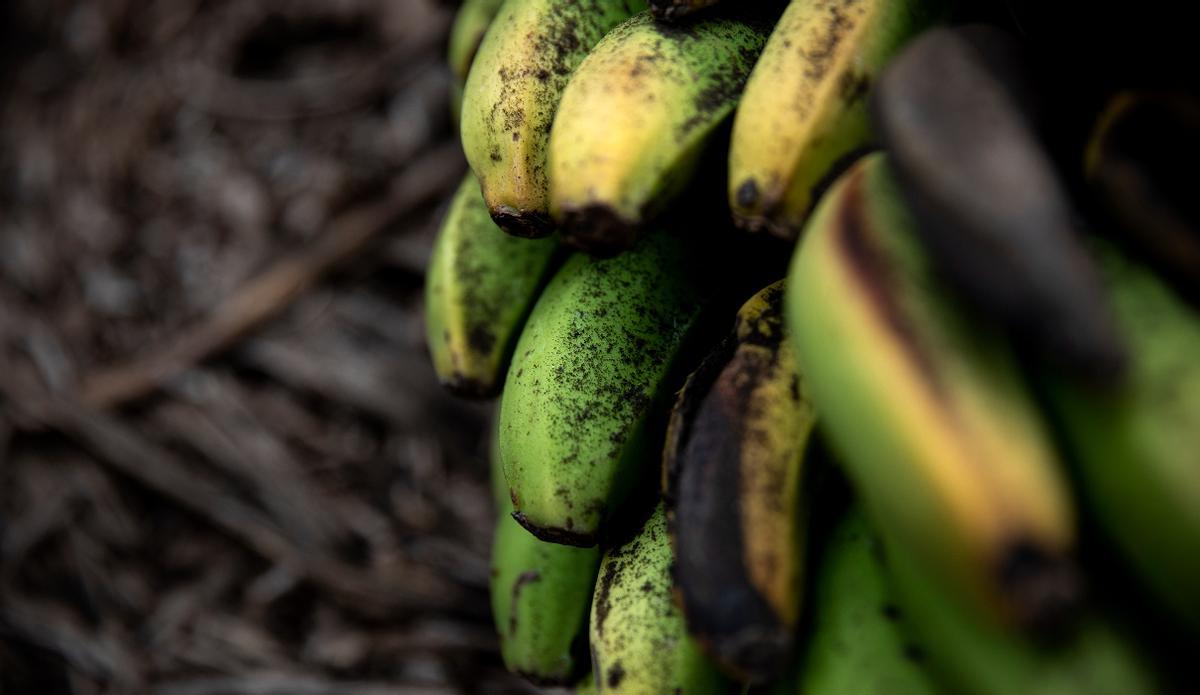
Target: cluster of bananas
951,338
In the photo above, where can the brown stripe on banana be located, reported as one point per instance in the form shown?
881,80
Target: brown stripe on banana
737,509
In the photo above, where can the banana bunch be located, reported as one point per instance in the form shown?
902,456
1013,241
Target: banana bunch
938,431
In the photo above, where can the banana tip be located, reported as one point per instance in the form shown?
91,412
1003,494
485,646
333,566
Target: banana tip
598,230
529,224
469,387
560,536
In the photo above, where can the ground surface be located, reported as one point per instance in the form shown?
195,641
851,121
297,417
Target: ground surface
225,465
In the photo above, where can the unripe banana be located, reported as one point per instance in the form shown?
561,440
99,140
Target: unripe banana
856,643
804,108
675,9
512,93
734,462
638,639
1135,444
635,119
975,658
1133,162
927,407
470,24
954,111
479,288
582,415
541,595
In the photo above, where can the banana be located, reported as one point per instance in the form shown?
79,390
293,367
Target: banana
541,595
638,639
635,119
804,108
512,92
856,643
954,111
733,464
676,9
928,409
975,658
579,424
470,24
1132,164
480,286
1135,444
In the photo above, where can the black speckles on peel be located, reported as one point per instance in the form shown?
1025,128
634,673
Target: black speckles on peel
592,366
527,577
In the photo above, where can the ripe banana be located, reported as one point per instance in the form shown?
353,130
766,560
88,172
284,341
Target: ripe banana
635,119
856,643
511,95
579,424
675,9
804,108
976,658
1135,444
734,461
541,596
953,110
1132,163
927,408
470,24
480,286
638,639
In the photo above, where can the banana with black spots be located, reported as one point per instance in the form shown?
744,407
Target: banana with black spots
734,465
635,120
480,286
512,94
470,24
927,408
804,108
1136,443
638,639
586,396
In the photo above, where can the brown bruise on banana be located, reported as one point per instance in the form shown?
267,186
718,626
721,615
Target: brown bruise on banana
831,81
1037,583
605,220
518,123
739,433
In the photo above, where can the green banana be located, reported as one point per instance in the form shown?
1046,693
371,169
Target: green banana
541,594
955,113
512,93
470,24
855,641
480,286
635,119
975,658
638,639
677,9
594,365
928,409
733,463
1132,165
804,108
1135,444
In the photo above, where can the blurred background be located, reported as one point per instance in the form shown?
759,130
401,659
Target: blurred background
225,463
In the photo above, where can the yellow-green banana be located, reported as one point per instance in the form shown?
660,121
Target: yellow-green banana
470,24
676,9
976,658
480,286
582,414
512,93
634,121
1137,445
734,462
805,103
927,407
855,643
637,635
